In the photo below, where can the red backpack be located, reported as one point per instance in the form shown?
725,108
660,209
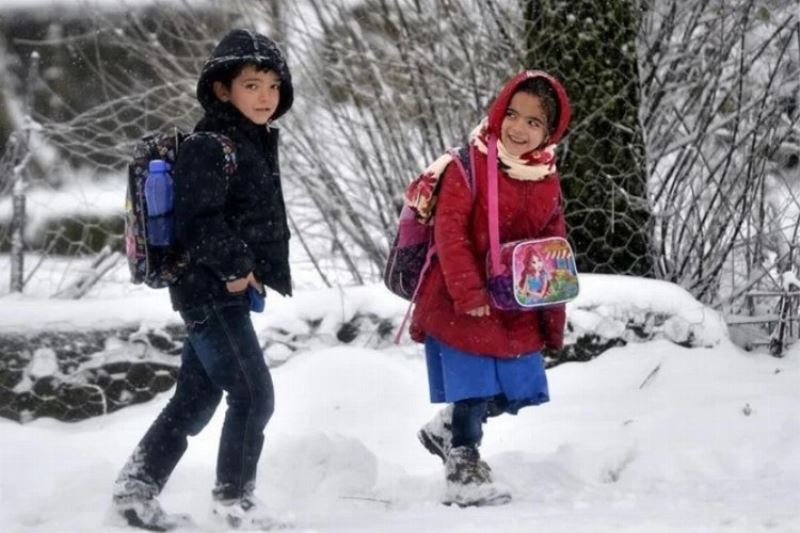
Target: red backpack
413,246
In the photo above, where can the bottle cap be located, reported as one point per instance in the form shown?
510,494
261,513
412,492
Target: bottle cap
158,165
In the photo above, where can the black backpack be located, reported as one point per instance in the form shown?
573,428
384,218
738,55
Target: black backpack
158,266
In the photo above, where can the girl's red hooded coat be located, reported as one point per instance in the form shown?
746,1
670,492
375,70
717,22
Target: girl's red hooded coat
456,282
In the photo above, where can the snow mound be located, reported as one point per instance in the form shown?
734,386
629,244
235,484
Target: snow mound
647,437
608,305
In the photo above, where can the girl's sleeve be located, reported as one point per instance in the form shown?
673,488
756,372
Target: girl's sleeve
200,191
455,251
553,319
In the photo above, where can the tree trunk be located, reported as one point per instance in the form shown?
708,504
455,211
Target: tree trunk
591,47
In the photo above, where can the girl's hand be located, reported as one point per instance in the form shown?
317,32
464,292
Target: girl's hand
479,311
240,285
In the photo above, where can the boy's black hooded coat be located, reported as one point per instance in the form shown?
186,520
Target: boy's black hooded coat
231,226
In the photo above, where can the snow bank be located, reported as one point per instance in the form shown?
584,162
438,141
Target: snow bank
708,442
608,304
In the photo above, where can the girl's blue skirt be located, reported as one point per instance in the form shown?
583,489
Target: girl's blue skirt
456,375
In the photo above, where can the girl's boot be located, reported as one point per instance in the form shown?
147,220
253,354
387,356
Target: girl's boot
469,480
437,434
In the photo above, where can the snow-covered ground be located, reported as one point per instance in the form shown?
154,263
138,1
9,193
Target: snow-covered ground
651,437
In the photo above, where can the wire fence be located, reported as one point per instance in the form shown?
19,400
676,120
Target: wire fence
681,162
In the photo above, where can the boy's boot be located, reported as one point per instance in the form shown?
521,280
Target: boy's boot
437,434
469,480
248,513
136,502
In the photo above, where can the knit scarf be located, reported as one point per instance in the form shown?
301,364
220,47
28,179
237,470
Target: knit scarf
536,165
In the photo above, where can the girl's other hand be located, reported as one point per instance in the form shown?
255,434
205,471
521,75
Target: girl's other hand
479,311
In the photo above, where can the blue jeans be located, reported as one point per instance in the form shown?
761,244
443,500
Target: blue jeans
470,414
221,353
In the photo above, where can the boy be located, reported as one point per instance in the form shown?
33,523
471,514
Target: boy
237,237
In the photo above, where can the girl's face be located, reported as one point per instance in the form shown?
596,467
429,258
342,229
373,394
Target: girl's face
254,93
524,127
536,263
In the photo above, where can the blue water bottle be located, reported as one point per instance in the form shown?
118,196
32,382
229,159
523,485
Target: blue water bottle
158,195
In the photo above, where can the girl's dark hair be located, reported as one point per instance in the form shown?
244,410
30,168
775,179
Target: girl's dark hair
541,88
227,74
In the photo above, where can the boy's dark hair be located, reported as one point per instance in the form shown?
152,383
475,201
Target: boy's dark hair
542,88
227,74
235,50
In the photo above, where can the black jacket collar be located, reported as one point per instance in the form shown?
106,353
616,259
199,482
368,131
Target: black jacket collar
223,117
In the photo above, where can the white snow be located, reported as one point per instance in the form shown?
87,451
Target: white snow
103,198
606,302
43,363
651,437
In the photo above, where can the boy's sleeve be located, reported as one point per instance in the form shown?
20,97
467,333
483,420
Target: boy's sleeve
455,251
200,226
553,319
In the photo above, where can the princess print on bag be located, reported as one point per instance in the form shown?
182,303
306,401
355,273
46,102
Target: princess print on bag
534,279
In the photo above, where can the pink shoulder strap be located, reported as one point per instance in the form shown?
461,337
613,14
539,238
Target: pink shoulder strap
494,229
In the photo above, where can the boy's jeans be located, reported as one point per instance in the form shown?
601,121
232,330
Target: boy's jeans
221,353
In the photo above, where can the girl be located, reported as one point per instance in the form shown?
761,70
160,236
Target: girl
483,361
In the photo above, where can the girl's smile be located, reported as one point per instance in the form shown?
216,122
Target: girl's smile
524,126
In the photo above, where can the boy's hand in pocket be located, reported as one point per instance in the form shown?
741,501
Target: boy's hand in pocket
241,284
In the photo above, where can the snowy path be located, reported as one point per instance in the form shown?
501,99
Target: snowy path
679,454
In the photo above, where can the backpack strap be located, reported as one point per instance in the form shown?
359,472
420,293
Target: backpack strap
425,267
228,150
463,160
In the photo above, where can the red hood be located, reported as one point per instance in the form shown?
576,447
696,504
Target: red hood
497,111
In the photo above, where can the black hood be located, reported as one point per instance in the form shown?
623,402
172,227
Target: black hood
245,46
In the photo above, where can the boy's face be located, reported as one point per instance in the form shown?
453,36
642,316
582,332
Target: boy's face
524,127
254,93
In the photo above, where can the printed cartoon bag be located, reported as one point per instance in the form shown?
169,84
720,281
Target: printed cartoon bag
533,273
157,266
526,274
